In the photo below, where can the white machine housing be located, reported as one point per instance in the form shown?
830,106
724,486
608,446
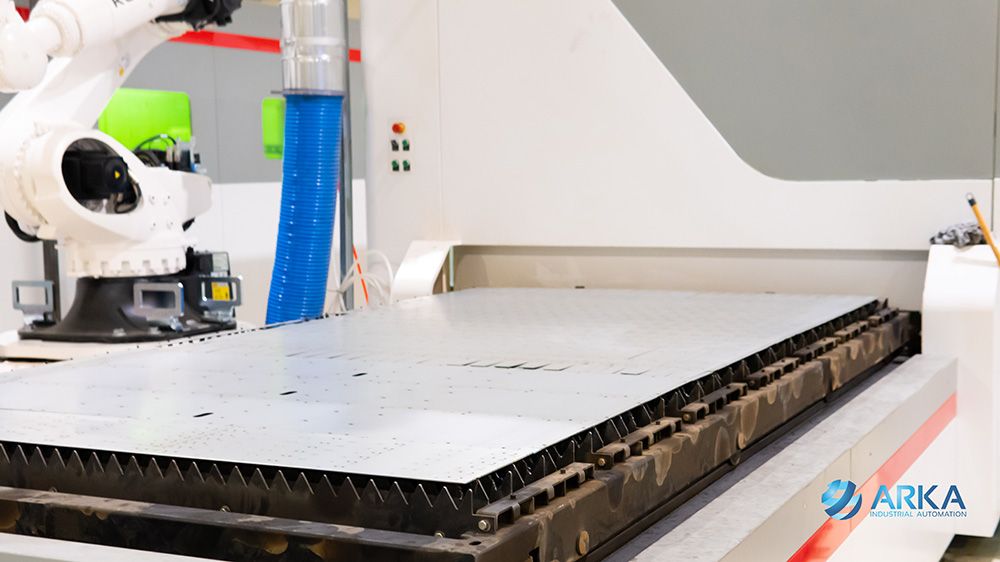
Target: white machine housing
572,134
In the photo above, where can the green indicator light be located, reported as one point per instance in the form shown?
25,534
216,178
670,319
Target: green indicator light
406,145
406,165
395,165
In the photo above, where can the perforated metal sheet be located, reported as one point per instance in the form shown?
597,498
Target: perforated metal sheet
448,388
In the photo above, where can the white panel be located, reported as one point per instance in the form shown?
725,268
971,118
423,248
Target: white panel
908,540
420,269
559,127
605,148
898,276
399,42
961,318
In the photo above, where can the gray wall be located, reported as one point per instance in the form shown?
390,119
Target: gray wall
838,89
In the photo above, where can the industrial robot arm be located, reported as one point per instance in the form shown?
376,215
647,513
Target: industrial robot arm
120,223
112,215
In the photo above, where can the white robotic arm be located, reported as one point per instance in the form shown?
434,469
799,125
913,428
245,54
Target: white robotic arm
63,29
112,215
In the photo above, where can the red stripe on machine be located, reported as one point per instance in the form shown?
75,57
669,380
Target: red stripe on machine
832,533
227,40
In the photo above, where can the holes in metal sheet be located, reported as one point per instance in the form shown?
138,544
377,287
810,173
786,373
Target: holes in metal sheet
289,392
203,414
359,374
475,543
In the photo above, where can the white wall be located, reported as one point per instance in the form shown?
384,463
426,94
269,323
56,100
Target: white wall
244,222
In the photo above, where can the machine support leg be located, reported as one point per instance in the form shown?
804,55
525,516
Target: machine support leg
50,263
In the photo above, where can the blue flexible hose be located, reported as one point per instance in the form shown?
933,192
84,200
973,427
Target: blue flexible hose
310,176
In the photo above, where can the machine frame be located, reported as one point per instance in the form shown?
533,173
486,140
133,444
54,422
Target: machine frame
577,499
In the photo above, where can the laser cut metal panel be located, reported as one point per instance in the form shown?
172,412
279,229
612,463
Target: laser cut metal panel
446,388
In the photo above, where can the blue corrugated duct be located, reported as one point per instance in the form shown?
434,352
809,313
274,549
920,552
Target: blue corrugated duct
310,176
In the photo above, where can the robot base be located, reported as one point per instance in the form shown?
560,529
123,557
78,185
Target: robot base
105,311
199,300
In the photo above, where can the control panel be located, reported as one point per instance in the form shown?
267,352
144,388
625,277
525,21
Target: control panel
401,149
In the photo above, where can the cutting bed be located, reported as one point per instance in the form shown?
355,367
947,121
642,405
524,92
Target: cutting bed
499,424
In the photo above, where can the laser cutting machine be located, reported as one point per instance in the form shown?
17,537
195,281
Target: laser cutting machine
585,360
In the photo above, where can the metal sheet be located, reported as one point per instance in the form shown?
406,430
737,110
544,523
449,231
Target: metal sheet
445,388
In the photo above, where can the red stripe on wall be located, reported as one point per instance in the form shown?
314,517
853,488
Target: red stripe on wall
242,42
832,533
228,41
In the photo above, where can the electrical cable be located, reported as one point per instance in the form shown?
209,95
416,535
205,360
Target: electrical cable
149,158
385,261
18,232
160,137
338,303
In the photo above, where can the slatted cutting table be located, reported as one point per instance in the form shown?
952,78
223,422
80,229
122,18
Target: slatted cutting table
449,420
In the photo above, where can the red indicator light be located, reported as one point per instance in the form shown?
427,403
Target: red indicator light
399,128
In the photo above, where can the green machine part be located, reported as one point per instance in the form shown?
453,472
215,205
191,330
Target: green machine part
135,116
272,120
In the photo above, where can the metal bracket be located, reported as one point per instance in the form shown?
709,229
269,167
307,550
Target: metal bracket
158,314
537,494
34,309
634,443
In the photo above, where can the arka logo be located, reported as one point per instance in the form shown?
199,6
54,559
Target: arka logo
840,499
917,497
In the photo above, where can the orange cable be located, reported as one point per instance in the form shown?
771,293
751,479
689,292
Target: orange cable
357,262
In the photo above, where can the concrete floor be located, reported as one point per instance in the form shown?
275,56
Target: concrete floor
974,549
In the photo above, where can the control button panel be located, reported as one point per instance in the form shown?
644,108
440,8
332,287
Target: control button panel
400,147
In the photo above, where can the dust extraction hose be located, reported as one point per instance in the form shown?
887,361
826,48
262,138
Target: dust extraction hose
310,176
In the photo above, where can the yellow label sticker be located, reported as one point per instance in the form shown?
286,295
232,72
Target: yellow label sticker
221,292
